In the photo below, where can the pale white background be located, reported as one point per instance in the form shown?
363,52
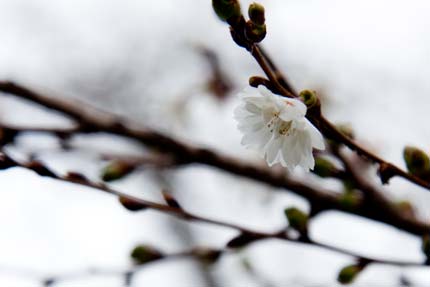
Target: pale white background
138,58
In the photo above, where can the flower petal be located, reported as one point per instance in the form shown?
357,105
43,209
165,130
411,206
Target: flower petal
316,137
272,151
291,109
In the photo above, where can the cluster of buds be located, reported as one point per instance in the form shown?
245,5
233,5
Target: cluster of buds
255,29
251,31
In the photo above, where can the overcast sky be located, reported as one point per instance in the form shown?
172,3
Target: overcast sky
138,58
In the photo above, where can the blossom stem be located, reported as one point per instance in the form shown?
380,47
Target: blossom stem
267,66
281,78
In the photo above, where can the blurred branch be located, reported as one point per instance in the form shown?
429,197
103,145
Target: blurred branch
246,236
219,83
199,253
91,120
9,132
373,196
280,77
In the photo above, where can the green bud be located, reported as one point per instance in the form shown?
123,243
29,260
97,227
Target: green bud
417,161
323,167
425,247
142,254
348,184
226,9
116,170
255,33
346,130
242,240
297,219
256,14
348,274
309,98
350,199
131,204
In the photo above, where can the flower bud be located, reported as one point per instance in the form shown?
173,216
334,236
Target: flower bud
309,98
116,170
346,130
206,255
417,162
131,204
350,199
226,9
40,169
323,167
142,254
76,177
170,200
255,33
297,219
242,240
256,14
348,274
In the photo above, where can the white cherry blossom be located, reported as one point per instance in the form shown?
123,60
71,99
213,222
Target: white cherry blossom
277,128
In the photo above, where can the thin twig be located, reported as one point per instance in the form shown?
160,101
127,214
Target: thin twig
200,253
7,162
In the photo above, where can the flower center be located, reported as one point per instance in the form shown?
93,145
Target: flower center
284,128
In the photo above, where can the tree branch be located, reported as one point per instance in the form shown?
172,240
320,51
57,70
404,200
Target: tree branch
250,235
92,120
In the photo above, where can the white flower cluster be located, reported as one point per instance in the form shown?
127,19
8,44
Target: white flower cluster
276,126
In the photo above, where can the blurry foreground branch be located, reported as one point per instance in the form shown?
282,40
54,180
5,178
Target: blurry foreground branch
90,120
246,236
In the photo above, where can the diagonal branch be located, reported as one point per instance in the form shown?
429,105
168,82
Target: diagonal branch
178,212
